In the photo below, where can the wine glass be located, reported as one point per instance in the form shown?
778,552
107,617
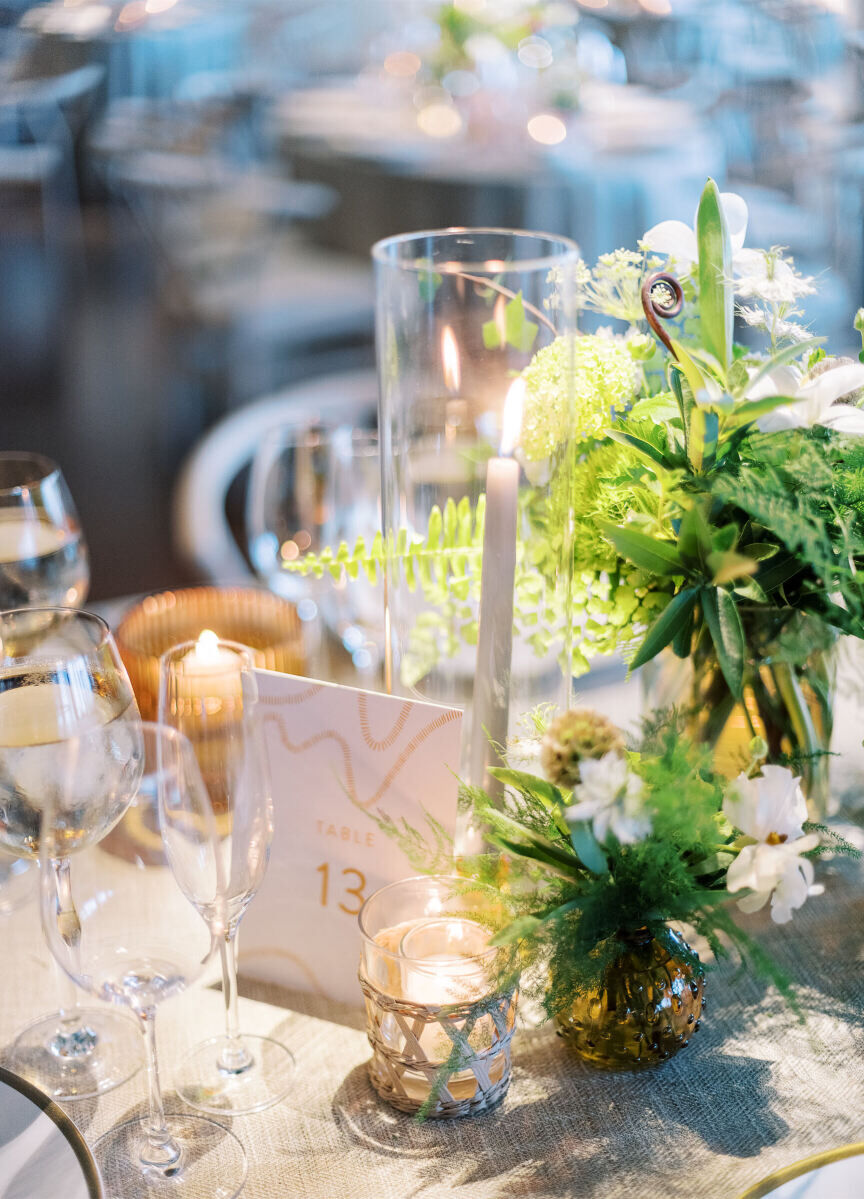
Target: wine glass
312,487
122,918
64,693
208,691
43,561
43,557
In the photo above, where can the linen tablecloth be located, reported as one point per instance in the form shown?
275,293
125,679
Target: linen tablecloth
755,1090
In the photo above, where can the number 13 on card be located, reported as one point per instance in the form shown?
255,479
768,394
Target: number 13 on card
356,892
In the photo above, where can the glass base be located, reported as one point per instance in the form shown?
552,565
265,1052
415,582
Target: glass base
207,1084
103,1052
211,1163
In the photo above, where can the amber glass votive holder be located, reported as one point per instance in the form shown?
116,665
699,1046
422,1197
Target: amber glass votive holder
267,625
440,1009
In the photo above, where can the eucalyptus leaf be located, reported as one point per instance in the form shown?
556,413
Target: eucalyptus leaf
727,633
659,557
588,848
674,617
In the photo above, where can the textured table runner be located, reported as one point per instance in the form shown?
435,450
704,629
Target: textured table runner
754,1091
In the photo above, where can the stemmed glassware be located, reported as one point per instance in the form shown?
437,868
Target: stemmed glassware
69,738
134,918
310,487
43,557
208,691
43,560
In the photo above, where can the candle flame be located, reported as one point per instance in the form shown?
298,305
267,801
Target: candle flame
207,649
511,424
450,360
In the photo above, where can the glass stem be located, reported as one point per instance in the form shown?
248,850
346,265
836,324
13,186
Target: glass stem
71,1039
234,1057
160,1151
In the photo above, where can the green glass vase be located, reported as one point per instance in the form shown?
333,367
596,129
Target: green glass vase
647,1007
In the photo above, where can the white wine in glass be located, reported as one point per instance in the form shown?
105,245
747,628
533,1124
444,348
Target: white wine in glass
43,556
70,737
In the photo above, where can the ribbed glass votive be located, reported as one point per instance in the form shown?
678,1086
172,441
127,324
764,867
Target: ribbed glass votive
267,625
438,1018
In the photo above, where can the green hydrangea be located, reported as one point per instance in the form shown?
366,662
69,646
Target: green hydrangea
605,378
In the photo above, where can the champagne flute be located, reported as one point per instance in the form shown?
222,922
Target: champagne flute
43,557
122,918
63,690
208,691
43,561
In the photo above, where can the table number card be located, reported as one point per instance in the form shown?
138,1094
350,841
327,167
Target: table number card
336,753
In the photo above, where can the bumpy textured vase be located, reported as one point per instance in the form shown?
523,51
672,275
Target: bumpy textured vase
647,1008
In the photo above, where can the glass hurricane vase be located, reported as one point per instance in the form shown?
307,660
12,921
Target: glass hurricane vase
475,357
647,1006
788,699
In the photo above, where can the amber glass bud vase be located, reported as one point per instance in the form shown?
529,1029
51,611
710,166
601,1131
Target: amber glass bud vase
646,1008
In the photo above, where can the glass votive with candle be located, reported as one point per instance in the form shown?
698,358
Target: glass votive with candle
478,373
440,998
265,624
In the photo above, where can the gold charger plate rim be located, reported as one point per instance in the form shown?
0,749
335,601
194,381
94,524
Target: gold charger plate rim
805,1166
65,1125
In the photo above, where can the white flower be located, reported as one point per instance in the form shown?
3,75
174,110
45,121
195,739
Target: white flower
772,811
677,241
760,274
610,796
764,319
766,275
813,401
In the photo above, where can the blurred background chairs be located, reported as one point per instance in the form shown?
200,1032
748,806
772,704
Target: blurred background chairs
190,188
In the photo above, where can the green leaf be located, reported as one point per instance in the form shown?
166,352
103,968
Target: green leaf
658,408
704,426
688,368
745,413
491,335
659,557
730,566
644,449
588,848
694,538
716,302
759,550
779,570
519,332
667,626
727,633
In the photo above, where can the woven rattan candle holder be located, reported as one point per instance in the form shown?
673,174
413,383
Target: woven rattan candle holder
269,626
440,1031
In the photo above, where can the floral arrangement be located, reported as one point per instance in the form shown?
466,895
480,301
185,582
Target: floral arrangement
611,839
711,496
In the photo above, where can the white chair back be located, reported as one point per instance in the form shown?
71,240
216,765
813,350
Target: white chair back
202,535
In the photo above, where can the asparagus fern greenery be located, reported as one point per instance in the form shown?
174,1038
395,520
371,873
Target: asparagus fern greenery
614,839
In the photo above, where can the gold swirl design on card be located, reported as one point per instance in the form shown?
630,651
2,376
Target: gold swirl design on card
276,951
276,701
446,717
385,742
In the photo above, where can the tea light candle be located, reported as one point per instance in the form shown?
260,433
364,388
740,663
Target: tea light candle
442,962
211,670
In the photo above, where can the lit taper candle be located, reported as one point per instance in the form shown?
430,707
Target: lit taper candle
495,643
